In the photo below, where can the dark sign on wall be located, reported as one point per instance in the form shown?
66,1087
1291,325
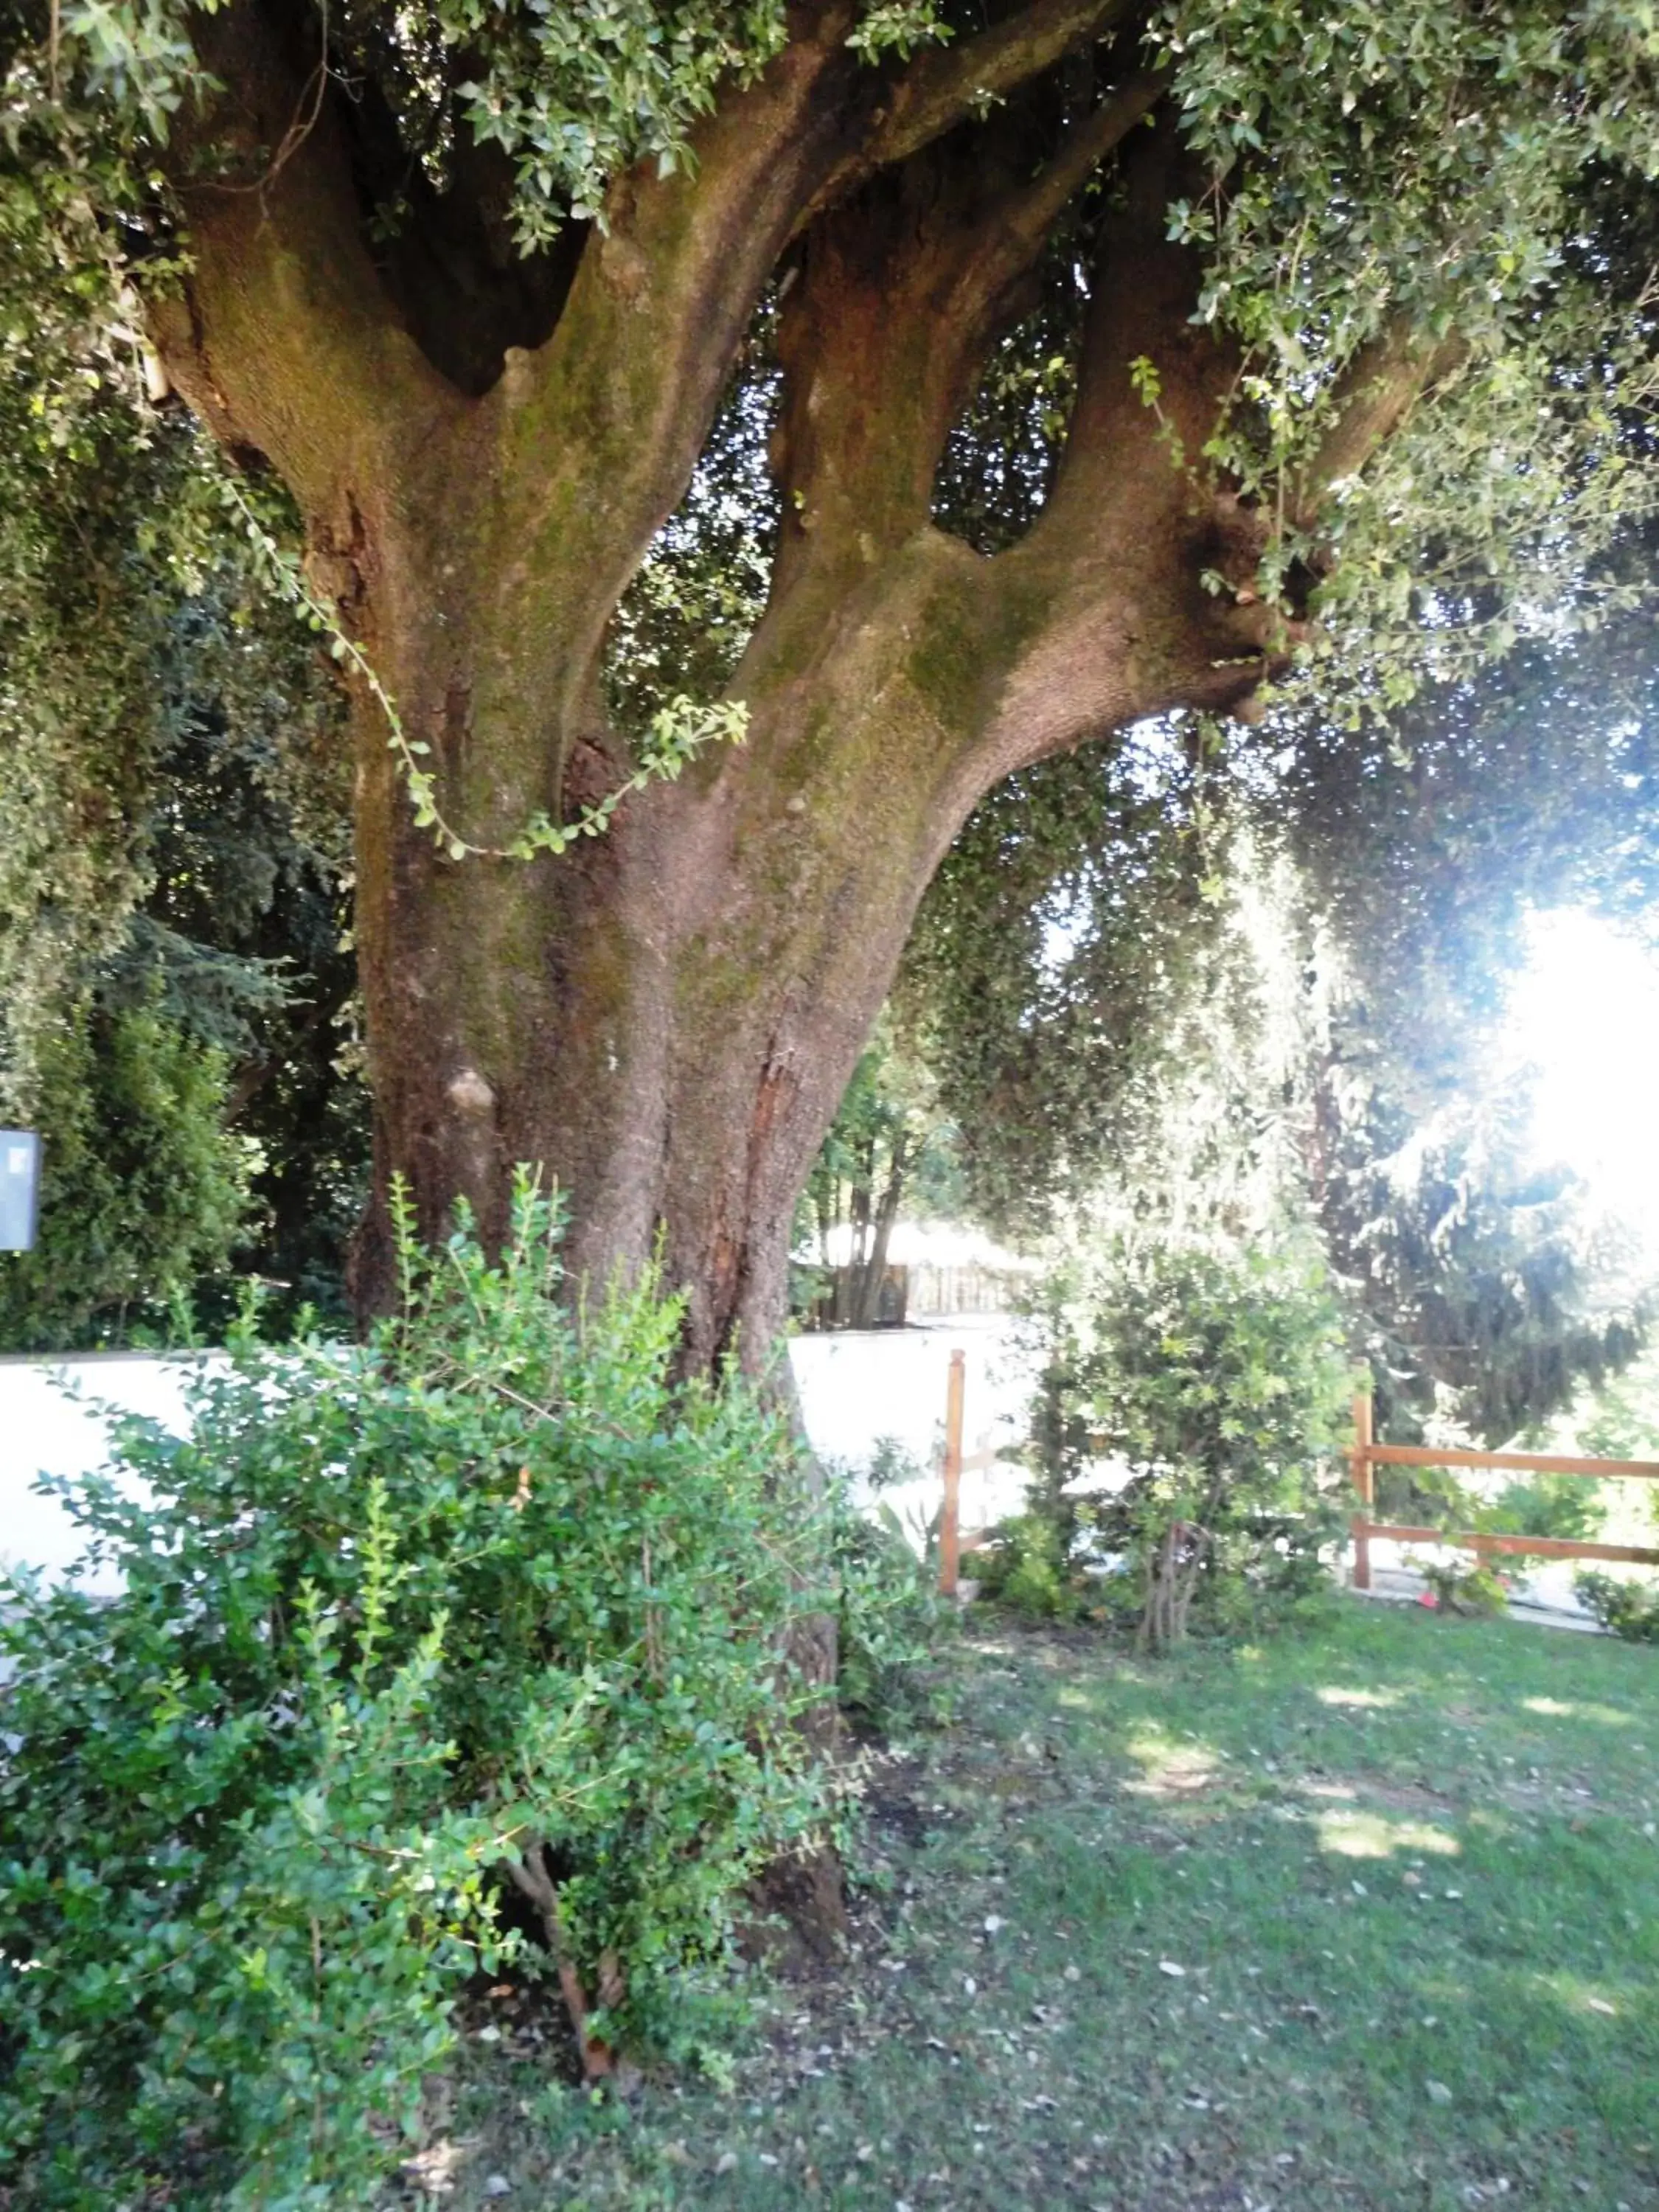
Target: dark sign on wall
19,1188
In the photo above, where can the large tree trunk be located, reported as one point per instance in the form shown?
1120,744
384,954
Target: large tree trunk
664,1018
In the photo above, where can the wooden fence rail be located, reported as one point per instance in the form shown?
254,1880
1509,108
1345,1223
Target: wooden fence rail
1364,1458
1367,1456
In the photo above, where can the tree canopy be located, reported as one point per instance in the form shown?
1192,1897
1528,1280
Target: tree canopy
918,391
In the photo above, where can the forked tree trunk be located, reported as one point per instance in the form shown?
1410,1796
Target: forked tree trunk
665,1018
482,450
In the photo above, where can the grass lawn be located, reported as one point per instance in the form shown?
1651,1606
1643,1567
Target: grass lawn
1363,1917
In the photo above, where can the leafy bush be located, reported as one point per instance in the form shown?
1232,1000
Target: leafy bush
1629,1609
144,1189
491,1598
1535,1505
890,1616
1027,1564
1545,1505
1478,1591
1224,1384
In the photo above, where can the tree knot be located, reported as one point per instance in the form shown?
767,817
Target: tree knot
470,1096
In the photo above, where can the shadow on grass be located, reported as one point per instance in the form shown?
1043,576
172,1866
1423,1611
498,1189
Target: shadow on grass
1368,1916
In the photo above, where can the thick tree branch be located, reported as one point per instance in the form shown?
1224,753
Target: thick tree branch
283,338
593,435
902,290
540,498
1085,146
1122,562
1111,609
1384,381
947,84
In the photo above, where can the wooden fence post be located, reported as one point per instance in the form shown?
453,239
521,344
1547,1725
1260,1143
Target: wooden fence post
1362,1483
950,1529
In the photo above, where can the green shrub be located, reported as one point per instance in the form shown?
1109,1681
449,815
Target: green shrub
1545,1505
890,1616
491,1597
1026,1564
1030,1562
1535,1505
1478,1591
1223,1382
1629,1609
144,1188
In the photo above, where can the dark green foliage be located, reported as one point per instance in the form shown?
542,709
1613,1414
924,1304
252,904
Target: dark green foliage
1629,1609
1222,1383
1027,1565
247,920
1029,1562
142,1190
232,964
890,1618
173,838
492,1589
689,611
1000,461
1070,928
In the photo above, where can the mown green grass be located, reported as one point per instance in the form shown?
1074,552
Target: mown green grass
1407,1866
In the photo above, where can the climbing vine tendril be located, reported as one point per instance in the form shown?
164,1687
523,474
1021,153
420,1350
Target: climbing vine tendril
674,735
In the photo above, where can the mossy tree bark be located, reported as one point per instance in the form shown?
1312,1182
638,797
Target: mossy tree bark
482,449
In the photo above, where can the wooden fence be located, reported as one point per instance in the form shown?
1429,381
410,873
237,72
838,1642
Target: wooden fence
1366,1456
950,1519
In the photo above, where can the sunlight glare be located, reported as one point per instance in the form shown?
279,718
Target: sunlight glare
1584,1012
1170,1769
